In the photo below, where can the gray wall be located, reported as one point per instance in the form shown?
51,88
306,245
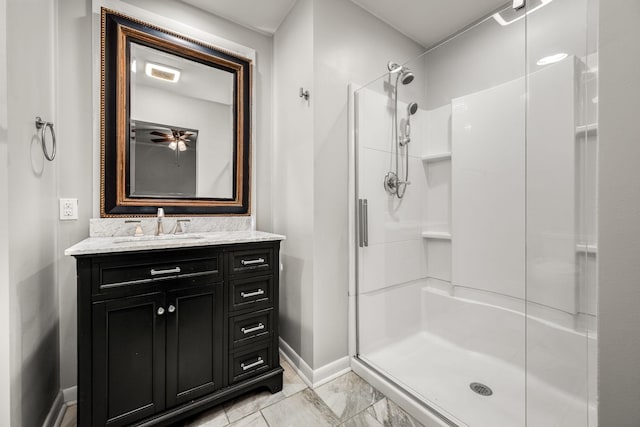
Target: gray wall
357,53
32,209
74,129
5,306
619,214
293,166
311,162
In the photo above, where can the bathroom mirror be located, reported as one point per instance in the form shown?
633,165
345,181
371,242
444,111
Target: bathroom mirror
175,123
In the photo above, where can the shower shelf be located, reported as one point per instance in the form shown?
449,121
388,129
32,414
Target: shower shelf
590,130
440,235
436,157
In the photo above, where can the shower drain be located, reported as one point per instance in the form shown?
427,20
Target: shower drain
481,389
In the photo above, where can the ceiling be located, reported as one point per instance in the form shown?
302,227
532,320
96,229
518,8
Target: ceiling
425,21
262,15
429,21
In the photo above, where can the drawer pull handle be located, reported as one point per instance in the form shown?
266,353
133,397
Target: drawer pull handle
252,365
251,294
252,261
259,327
155,272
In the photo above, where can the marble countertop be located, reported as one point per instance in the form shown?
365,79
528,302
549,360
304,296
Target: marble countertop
107,245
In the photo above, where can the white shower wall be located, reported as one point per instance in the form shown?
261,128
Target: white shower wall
488,190
395,254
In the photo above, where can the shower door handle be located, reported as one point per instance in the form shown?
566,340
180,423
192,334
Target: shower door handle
363,223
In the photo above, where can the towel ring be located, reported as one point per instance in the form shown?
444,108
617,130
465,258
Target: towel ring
42,125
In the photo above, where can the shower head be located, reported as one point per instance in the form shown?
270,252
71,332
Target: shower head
407,76
412,108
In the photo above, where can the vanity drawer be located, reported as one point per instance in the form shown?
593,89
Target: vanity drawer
249,363
116,274
251,293
257,260
251,327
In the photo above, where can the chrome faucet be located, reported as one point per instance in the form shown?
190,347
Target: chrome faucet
159,229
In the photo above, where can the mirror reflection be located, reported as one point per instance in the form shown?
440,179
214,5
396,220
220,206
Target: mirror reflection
181,142
175,123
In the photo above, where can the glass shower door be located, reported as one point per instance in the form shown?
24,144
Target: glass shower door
561,213
441,264
476,258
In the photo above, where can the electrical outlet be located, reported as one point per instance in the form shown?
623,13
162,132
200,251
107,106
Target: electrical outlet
68,209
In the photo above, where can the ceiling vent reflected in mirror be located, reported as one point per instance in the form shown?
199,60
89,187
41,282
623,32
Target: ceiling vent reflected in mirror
162,72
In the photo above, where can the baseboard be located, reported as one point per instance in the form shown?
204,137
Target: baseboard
54,417
331,371
314,378
70,394
303,370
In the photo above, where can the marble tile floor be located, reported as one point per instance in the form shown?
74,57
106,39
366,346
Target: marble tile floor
347,401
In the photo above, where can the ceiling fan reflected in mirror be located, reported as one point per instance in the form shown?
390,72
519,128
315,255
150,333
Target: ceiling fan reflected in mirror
178,139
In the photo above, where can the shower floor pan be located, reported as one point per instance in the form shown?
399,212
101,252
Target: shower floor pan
439,363
440,373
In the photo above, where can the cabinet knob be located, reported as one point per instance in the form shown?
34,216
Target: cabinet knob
171,308
160,311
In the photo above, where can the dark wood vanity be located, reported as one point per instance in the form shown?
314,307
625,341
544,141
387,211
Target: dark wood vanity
168,328
166,333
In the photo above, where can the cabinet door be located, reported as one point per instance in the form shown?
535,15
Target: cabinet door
128,359
194,342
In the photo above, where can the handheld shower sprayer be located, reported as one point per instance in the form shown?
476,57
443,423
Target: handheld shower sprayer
412,108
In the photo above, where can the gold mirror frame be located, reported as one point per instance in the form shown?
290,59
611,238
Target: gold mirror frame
117,33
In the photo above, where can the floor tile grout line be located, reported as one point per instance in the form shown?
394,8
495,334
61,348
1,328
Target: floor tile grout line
265,407
364,410
264,418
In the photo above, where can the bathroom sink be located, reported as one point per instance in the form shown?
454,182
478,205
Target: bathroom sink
164,237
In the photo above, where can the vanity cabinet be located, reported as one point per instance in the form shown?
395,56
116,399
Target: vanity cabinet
166,333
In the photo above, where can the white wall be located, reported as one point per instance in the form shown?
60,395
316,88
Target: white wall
32,209
619,211
490,54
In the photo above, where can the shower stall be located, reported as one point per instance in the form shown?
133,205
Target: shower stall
476,241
